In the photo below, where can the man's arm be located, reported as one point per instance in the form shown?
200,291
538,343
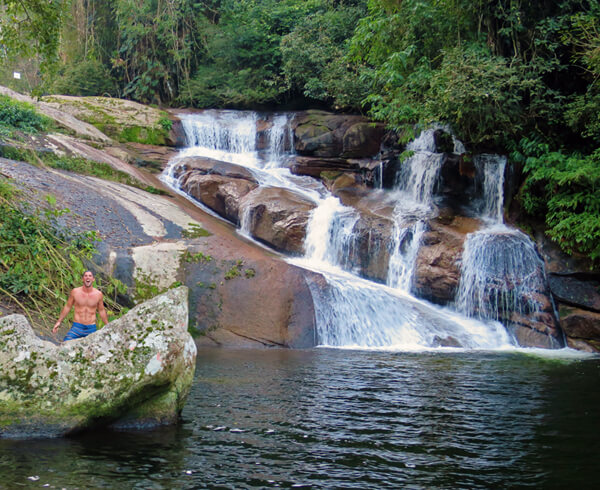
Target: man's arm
101,310
64,312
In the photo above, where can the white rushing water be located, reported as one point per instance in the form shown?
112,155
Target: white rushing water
350,311
413,192
501,271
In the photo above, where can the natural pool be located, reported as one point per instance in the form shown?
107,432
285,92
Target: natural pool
326,418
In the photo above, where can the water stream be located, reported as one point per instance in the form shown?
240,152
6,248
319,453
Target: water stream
501,271
350,311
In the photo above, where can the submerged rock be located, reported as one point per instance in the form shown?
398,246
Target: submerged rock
134,372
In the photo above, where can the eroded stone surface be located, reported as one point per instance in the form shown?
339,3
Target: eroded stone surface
278,217
136,371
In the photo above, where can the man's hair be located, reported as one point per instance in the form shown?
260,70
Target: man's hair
87,272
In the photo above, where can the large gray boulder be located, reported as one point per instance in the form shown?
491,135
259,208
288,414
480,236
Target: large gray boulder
135,372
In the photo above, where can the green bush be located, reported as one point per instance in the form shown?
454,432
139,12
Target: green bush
478,93
564,190
314,58
84,77
20,116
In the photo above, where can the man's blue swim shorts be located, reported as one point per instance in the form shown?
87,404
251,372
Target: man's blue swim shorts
79,330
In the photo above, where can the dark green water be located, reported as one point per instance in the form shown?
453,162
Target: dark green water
347,419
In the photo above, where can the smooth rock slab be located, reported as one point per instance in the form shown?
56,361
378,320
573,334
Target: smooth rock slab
135,372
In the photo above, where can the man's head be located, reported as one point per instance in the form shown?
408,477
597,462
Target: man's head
88,279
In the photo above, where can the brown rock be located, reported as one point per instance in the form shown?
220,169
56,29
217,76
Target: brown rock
343,181
437,272
176,135
251,301
150,157
206,166
581,325
370,251
314,166
221,194
323,134
362,139
278,217
532,337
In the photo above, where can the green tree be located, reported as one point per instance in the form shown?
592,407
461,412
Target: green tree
314,57
30,27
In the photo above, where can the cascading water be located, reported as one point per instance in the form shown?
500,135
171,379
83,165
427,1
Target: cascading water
502,275
490,172
414,191
500,271
329,236
350,311
279,136
406,242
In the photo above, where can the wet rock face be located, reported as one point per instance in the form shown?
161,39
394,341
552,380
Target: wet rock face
134,372
437,271
371,253
221,194
575,286
218,185
579,307
208,166
570,290
278,217
323,134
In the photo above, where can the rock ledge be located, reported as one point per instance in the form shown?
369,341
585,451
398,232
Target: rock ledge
134,372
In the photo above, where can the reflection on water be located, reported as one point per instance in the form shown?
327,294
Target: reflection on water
346,419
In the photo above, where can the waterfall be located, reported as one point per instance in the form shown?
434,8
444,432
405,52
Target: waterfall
406,242
490,173
231,139
501,271
349,311
502,275
354,312
329,238
414,190
279,135
419,173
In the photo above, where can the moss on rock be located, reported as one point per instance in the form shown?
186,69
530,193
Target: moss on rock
135,371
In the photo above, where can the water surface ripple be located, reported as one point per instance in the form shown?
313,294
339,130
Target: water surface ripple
347,419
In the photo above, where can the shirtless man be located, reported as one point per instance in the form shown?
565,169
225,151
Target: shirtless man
87,300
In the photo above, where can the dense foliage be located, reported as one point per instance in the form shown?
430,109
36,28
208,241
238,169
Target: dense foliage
565,188
499,73
31,27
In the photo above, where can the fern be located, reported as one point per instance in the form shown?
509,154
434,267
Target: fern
565,190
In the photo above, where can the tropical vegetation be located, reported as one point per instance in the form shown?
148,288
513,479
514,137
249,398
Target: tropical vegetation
508,75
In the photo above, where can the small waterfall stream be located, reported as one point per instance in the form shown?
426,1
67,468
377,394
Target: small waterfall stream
501,271
350,311
413,193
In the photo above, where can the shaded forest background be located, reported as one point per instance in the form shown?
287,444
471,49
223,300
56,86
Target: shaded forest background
512,76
